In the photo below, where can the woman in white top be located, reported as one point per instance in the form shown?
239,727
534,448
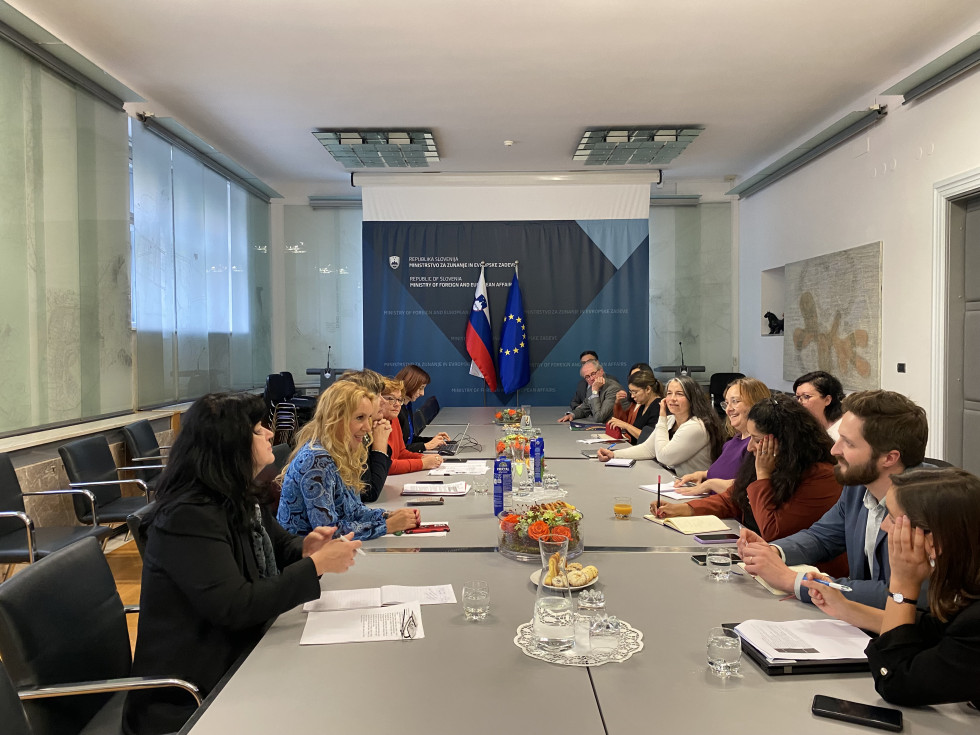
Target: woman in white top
821,394
687,439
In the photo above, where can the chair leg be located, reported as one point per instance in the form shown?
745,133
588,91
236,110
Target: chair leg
7,569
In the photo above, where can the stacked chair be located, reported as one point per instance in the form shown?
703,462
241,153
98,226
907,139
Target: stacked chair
143,448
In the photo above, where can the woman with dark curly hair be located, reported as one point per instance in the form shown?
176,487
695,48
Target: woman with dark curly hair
784,484
821,394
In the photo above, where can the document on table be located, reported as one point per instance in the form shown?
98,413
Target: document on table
691,525
598,439
354,626
390,594
620,462
469,467
430,534
669,490
805,640
451,488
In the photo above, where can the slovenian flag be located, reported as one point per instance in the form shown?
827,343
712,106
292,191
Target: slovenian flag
479,337
514,358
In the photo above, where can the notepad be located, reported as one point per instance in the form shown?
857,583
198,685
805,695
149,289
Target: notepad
390,594
620,462
352,626
667,490
690,525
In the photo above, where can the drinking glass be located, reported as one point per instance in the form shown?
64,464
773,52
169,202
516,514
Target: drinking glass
604,635
622,506
476,600
481,485
724,652
719,563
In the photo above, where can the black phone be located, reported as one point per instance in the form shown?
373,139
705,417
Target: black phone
426,501
715,538
590,453
883,718
702,559
430,482
458,459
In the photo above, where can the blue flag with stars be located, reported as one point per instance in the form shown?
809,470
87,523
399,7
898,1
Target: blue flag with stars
513,360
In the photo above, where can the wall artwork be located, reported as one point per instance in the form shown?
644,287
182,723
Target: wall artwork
833,317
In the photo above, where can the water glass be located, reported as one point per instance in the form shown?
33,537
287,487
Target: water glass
476,600
604,635
481,485
622,507
550,480
719,563
724,652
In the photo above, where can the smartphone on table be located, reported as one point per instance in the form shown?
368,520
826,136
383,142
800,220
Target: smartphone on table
884,718
716,538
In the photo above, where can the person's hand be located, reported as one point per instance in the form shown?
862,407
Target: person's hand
693,477
431,461
761,560
618,423
443,435
435,442
316,538
663,409
566,417
403,519
765,457
379,435
336,555
621,395
829,600
908,557
604,455
671,510
597,382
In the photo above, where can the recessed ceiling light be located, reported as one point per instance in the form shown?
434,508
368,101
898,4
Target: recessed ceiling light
649,145
402,148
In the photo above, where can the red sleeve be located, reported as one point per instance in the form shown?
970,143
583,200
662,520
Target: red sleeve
816,494
720,505
402,460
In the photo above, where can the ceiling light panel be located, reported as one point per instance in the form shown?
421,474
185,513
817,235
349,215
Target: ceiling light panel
634,146
402,148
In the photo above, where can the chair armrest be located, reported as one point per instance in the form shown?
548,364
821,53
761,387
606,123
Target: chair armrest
131,609
95,483
70,491
157,458
141,467
130,683
18,514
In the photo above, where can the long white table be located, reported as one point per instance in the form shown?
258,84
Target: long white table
471,677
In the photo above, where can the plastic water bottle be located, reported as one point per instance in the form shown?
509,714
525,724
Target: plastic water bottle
537,456
502,485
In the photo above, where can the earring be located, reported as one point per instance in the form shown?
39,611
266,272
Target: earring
932,562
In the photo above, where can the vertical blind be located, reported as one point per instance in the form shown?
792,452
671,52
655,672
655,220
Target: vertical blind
65,339
201,305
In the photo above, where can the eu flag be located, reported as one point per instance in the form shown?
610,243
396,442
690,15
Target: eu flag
513,360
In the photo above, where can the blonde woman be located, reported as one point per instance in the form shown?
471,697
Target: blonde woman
320,484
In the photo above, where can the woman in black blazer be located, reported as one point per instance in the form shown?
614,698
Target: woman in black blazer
217,567
646,392
932,522
415,380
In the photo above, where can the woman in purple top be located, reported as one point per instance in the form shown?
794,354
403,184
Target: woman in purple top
740,395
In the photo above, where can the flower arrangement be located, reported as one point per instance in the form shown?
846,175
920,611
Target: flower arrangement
509,416
519,533
514,443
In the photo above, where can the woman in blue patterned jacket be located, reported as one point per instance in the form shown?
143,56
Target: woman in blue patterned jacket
323,478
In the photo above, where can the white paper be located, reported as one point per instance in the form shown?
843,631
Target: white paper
603,439
805,640
620,462
669,490
449,488
390,594
351,626
469,467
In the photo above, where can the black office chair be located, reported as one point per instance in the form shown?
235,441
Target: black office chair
418,422
142,446
134,521
430,409
90,465
63,631
306,406
939,463
716,388
20,541
12,713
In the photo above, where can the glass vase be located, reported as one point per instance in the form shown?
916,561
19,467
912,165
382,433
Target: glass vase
554,625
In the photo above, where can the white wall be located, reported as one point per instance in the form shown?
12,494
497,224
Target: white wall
878,186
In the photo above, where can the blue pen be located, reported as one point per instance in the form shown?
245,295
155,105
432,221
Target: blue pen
833,585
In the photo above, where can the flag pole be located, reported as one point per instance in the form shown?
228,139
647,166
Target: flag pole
518,391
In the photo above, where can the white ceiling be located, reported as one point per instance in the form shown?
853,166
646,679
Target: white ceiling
254,77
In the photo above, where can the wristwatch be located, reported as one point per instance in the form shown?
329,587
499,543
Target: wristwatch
900,598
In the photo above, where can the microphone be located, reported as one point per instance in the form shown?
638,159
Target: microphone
326,373
683,364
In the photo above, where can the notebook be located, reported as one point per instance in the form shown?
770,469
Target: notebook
785,668
690,525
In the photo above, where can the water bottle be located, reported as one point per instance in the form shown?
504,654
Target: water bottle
537,456
502,486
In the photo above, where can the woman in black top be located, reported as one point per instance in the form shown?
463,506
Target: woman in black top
217,567
646,392
415,379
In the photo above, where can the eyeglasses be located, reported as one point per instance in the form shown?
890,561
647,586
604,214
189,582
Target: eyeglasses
733,402
803,397
409,625
635,391
591,376
392,399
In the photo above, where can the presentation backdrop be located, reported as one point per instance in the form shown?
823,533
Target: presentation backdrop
585,285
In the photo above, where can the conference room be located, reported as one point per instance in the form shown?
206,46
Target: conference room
202,196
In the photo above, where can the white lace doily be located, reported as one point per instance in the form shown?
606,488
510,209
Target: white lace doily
630,642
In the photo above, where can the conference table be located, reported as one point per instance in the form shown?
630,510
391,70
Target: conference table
471,677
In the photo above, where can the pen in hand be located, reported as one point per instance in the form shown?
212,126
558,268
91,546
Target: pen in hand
833,585
347,540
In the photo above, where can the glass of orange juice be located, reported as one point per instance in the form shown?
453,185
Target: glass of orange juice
622,507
